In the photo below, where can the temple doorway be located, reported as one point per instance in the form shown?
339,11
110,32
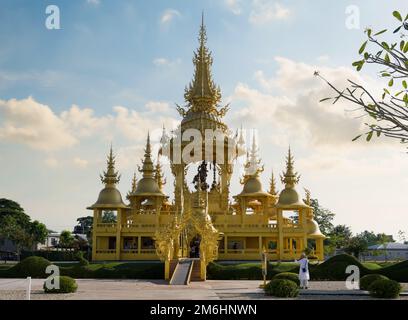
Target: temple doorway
195,247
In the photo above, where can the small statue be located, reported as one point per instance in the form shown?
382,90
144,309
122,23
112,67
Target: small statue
201,177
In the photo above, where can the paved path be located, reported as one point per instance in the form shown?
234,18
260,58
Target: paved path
159,289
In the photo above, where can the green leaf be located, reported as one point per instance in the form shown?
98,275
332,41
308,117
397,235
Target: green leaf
398,93
362,48
387,58
378,133
368,32
406,18
385,74
398,29
405,98
391,82
385,45
402,44
405,48
397,15
381,32
354,139
369,136
404,84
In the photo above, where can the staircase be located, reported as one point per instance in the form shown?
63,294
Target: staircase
182,272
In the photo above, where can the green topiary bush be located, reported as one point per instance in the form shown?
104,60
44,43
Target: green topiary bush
385,288
80,257
33,267
66,285
289,276
366,281
282,288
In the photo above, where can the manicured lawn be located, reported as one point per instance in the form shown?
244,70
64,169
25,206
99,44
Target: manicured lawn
371,265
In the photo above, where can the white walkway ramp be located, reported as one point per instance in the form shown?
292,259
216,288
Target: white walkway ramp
181,275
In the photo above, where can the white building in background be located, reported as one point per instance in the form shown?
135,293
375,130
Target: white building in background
387,251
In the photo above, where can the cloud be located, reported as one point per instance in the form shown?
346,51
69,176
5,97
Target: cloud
159,62
33,124
168,15
93,2
158,106
51,162
80,163
290,100
234,6
36,125
265,11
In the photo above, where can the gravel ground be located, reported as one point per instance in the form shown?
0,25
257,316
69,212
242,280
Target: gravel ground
91,289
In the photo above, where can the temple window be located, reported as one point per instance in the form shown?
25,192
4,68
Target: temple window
109,216
291,215
129,243
147,243
112,243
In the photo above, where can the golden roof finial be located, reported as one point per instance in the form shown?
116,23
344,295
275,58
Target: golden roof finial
308,200
110,177
202,94
290,177
147,168
159,176
134,182
272,185
253,165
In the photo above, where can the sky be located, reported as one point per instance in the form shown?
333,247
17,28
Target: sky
115,70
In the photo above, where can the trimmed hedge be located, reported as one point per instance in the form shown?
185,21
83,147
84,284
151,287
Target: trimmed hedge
33,267
282,288
289,276
66,285
385,288
367,280
51,255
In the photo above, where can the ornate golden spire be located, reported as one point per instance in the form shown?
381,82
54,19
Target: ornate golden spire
272,185
159,176
202,94
134,182
110,177
253,165
147,168
290,178
308,199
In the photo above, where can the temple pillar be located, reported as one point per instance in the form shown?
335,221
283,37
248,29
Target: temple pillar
280,235
139,244
260,244
225,244
166,270
118,231
320,248
94,231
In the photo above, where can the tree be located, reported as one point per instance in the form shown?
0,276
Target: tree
369,236
339,236
16,225
66,239
356,246
388,114
323,217
84,226
108,217
38,231
402,236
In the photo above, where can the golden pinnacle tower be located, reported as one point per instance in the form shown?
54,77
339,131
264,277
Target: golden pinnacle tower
202,222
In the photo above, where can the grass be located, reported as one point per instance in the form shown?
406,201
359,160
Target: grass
371,265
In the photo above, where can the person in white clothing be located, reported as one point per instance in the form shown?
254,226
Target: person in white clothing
303,271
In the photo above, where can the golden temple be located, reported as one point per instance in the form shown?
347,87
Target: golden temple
204,223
